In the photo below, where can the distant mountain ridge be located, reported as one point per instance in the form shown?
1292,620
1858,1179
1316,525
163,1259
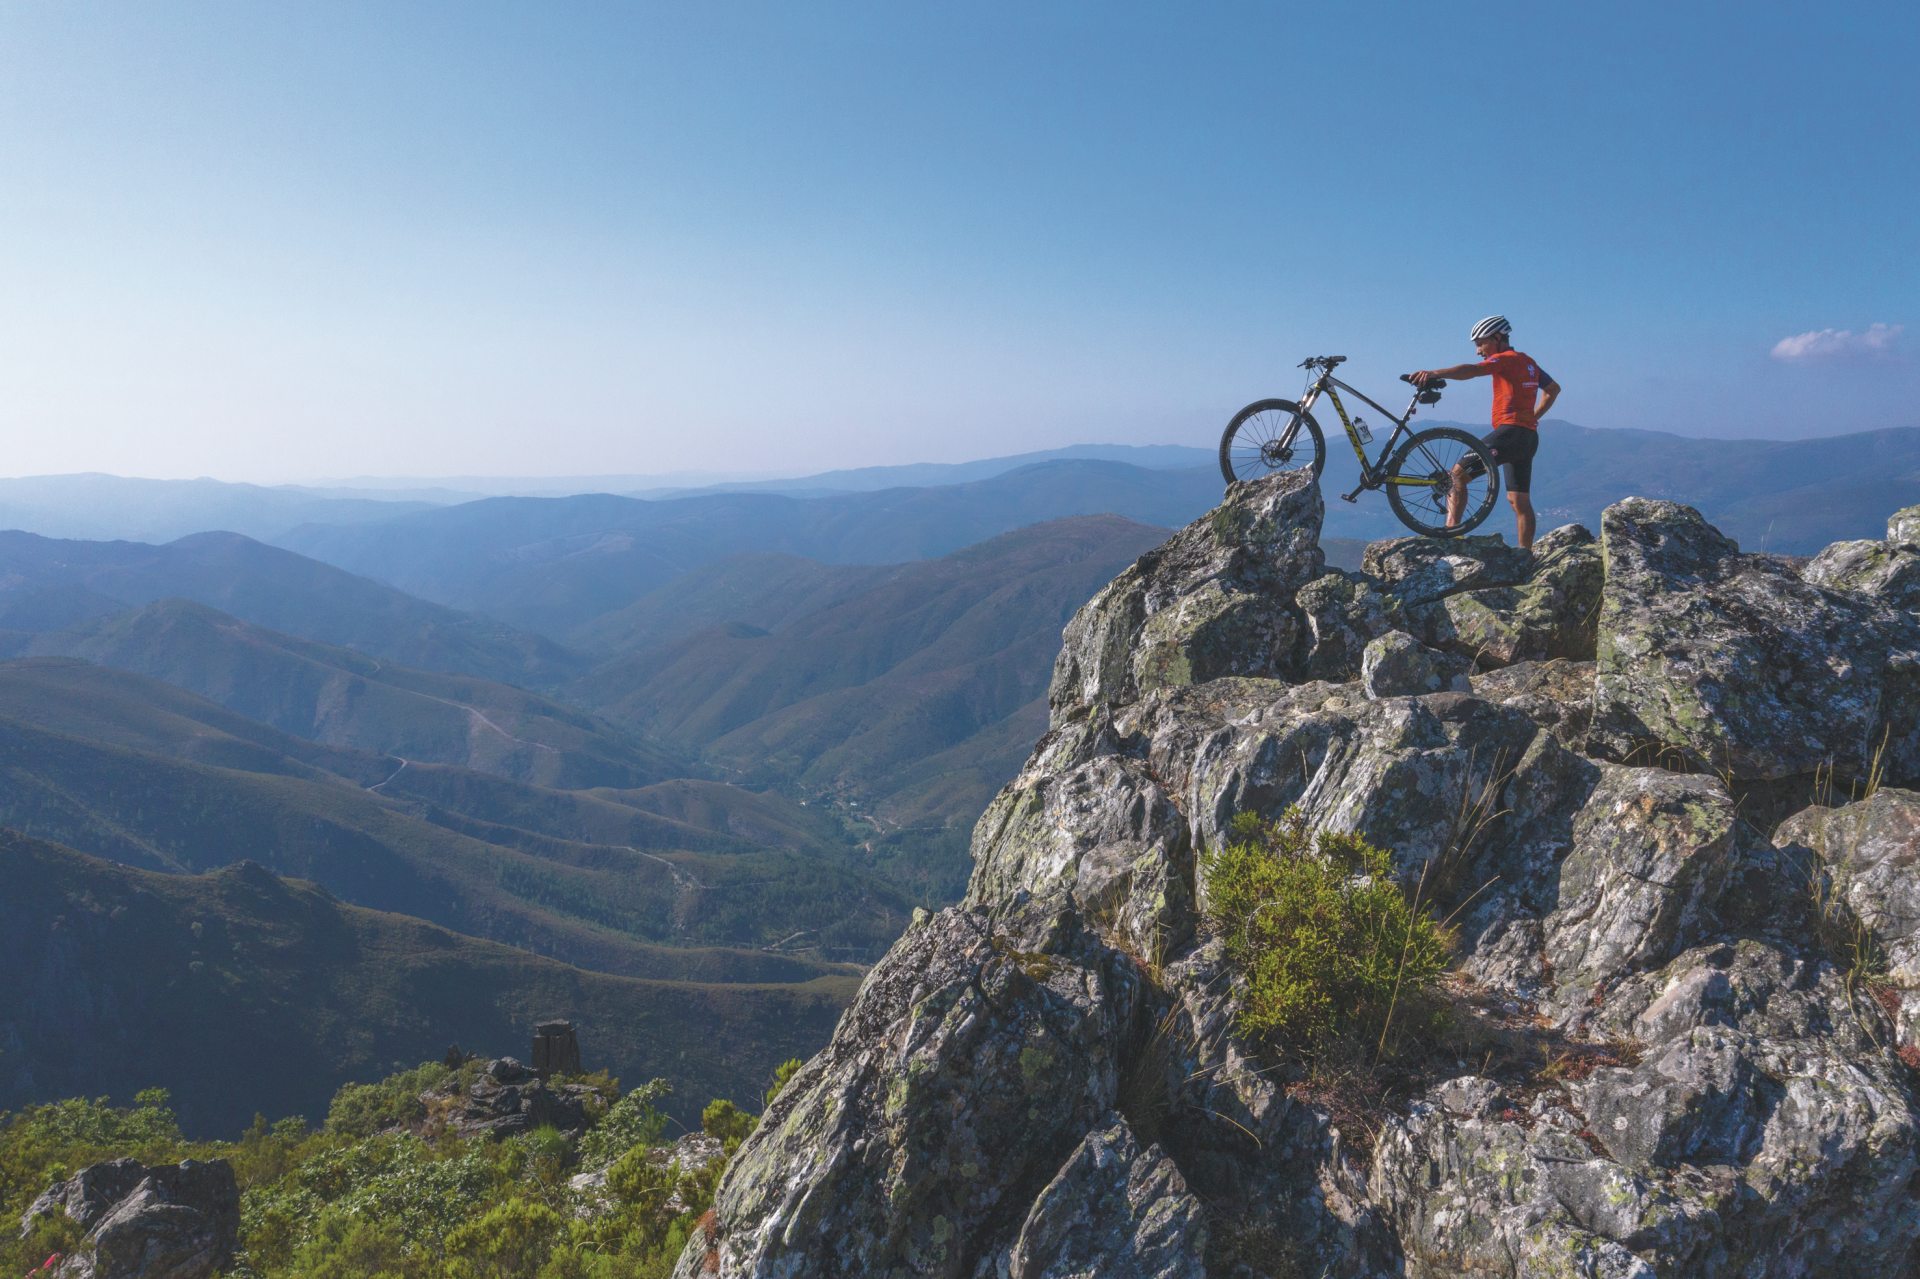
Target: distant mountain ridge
555,564
105,508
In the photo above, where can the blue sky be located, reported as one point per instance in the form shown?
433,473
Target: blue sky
273,242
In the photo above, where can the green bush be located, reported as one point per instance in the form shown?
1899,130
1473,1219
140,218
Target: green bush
786,1070
49,1143
360,1110
363,1198
726,1121
631,1122
1321,929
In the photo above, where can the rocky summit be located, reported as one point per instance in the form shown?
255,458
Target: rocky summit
1636,758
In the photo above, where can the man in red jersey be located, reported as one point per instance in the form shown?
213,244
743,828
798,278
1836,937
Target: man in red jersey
1522,394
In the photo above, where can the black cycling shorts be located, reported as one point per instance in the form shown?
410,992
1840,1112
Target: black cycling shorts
1513,448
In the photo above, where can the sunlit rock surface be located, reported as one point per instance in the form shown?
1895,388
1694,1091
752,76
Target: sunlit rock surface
1048,1080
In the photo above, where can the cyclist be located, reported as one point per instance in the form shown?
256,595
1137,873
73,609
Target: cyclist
1517,384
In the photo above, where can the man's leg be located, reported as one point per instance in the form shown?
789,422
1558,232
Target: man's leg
1457,497
1522,505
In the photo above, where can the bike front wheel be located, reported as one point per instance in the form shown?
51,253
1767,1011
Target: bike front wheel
1269,436
1421,477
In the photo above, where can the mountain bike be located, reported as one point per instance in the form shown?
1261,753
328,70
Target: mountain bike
1273,435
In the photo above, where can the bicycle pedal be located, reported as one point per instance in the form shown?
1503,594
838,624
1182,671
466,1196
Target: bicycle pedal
1353,497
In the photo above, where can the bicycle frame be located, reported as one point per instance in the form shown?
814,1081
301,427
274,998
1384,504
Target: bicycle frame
1372,474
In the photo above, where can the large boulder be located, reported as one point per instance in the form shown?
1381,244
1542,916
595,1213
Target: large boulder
1113,1210
176,1221
1103,838
1215,599
1650,859
509,1099
1417,775
1712,659
963,1079
1553,613
1423,570
1887,575
1477,597
1398,665
1865,873
1760,1133
1344,612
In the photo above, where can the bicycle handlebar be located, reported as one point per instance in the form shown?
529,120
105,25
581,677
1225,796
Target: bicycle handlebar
1318,361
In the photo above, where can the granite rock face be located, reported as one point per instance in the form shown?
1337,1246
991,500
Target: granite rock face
166,1222
1216,599
971,1066
1868,853
1050,1079
1345,612
1114,1210
1734,662
1398,665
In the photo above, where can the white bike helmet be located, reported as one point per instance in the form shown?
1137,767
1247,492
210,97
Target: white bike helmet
1494,326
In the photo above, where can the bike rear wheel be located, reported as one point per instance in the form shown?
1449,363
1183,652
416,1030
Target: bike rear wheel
1421,476
1269,436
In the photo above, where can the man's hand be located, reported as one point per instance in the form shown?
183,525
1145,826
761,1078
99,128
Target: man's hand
1420,379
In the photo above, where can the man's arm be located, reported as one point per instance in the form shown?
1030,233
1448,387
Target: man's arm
1458,373
1549,392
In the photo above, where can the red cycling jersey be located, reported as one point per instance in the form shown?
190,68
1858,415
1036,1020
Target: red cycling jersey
1516,388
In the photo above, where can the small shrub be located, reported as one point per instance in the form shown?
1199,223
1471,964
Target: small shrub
786,1071
360,1110
633,1122
510,1241
1323,932
726,1121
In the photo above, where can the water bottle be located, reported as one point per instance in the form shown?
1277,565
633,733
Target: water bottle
1360,429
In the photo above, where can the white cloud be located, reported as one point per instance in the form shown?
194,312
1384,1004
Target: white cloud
1824,346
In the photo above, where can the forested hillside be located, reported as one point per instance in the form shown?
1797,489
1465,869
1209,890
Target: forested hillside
240,992
855,700
605,879
46,584
345,698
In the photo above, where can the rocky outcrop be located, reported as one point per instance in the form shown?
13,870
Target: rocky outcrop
166,1222
1559,749
1216,599
1398,665
1867,853
509,1099
1735,663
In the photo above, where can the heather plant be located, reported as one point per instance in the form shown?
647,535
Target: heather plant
1329,941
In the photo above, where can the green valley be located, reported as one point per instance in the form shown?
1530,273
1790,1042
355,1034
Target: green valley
241,991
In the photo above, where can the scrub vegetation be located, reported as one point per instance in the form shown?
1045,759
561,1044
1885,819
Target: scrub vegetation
380,1189
1330,943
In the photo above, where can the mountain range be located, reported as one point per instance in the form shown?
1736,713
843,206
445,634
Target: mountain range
553,565
620,881
240,991
717,745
